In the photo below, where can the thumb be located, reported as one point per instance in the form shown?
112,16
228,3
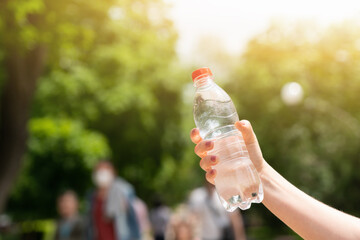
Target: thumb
246,130
252,144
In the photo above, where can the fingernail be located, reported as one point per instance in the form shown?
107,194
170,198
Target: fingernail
208,144
212,172
193,131
213,158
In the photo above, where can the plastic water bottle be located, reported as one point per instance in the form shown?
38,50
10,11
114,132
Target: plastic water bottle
237,181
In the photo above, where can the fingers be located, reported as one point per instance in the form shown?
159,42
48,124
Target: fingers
201,150
207,162
203,147
195,136
210,176
246,129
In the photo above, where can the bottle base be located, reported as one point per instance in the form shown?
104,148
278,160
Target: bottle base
235,201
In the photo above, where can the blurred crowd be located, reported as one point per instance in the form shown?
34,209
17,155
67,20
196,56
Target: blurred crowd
114,212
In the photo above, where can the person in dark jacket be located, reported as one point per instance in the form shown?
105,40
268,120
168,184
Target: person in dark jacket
70,226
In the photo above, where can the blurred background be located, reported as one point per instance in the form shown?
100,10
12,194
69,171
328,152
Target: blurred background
84,80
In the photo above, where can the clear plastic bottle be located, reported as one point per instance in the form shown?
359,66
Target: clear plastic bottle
237,181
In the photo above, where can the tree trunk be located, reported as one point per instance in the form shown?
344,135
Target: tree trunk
22,71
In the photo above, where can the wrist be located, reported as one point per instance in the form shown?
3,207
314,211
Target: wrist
264,169
266,175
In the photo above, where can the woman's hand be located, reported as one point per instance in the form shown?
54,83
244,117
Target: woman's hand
308,217
207,161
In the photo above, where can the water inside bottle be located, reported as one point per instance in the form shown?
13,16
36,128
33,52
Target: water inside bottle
237,181
211,115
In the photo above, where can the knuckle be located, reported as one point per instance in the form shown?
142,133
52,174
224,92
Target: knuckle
196,149
201,163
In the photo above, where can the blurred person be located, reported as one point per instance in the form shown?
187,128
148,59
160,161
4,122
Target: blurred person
216,223
142,215
183,225
159,216
308,217
111,210
70,226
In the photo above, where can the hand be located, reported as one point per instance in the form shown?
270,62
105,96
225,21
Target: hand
207,161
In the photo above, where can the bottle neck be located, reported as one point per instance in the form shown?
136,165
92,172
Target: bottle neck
202,82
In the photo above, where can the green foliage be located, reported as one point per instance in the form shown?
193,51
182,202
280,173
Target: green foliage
112,66
61,155
47,227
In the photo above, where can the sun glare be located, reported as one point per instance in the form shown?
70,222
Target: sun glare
235,22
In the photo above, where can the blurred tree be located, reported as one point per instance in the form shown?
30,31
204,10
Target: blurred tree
106,60
61,154
23,62
109,64
127,87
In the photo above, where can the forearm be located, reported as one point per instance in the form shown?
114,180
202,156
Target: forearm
308,217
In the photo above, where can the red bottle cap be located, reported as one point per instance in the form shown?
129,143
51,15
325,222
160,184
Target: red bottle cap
203,72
